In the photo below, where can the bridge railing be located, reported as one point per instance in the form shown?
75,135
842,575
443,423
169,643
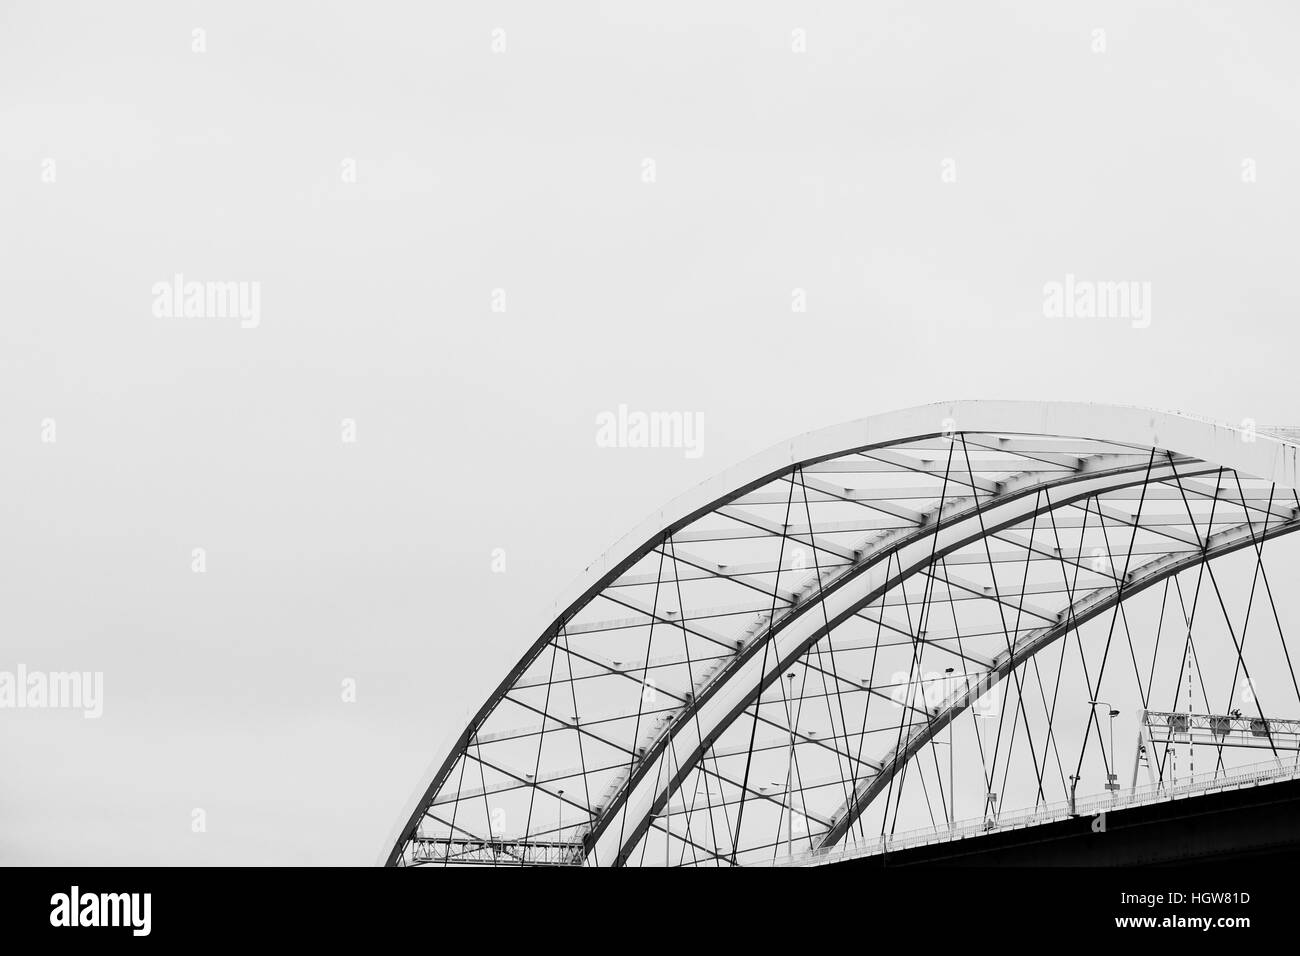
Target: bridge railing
1271,771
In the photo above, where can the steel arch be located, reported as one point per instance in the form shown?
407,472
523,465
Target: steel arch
1091,605
1030,452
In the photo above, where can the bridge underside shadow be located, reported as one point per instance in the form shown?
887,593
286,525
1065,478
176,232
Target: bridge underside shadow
1259,823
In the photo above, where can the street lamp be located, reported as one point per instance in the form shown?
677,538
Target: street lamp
789,770
947,803
990,797
1113,786
1112,778
664,817
952,791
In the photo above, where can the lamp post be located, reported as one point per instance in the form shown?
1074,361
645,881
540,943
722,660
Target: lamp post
789,770
668,837
952,790
1113,786
990,797
947,804
1112,778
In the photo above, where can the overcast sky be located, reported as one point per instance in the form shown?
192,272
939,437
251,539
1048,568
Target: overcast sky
472,229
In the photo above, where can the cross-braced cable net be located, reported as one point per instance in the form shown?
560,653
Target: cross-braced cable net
892,639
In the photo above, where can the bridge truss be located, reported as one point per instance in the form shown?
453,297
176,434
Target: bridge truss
882,626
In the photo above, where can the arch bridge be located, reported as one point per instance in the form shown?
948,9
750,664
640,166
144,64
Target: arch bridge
956,611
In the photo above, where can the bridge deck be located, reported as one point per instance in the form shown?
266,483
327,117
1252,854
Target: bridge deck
1260,774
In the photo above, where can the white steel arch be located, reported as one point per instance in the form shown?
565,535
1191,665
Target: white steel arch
669,647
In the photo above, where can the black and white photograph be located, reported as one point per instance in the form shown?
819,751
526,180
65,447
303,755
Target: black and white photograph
859,439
